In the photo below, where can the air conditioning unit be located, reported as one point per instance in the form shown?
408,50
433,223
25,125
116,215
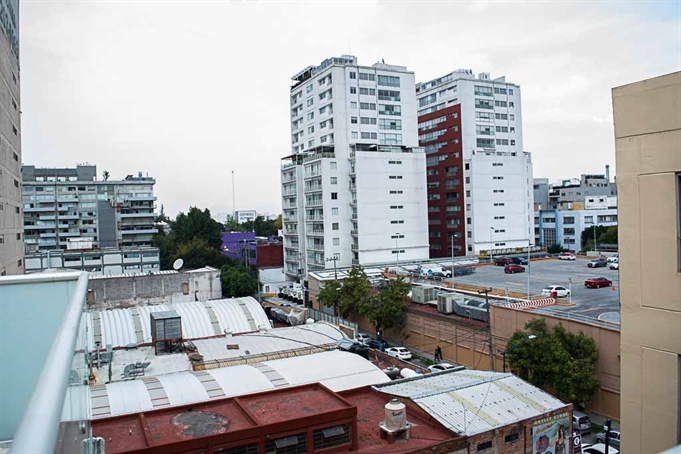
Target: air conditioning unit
445,303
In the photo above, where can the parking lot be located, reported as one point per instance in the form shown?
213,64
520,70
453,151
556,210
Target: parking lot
543,273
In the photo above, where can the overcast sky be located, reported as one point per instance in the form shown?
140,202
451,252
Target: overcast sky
190,91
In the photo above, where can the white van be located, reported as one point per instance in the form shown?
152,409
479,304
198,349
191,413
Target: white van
438,271
581,422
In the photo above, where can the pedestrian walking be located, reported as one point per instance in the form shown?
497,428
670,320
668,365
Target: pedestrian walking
438,354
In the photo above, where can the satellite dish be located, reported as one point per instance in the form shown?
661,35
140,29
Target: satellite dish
177,264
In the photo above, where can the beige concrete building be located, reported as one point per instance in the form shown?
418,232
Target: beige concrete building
11,213
648,142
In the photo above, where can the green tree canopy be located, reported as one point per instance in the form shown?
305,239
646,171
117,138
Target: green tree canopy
604,235
237,281
197,224
330,294
388,309
355,291
196,253
555,358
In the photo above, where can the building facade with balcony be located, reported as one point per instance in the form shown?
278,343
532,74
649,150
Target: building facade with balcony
354,187
480,194
97,261
565,227
66,203
11,225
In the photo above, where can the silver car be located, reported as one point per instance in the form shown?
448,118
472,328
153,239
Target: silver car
613,440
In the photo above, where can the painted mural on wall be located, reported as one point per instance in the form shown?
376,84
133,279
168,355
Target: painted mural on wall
552,435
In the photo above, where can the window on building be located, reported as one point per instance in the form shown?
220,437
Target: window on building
18,236
483,91
353,90
334,196
483,103
395,177
387,109
310,115
389,81
353,120
369,135
310,143
367,91
484,143
391,139
354,135
367,76
353,75
367,106
353,105
310,130
334,226
334,211
389,95
333,165
334,180
336,241
388,123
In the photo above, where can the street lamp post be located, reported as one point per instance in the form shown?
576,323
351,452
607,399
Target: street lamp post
529,269
491,253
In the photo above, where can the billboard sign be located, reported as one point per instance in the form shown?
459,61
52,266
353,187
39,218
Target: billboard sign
551,435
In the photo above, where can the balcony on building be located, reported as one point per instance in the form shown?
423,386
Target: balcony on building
137,215
38,209
141,197
41,225
139,231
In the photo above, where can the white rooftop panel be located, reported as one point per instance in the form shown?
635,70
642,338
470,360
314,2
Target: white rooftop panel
195,320
128,397
240,380
183,388
117,328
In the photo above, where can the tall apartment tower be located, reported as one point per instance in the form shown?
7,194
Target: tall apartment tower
11,225
480,193
648,149
62,204
354,187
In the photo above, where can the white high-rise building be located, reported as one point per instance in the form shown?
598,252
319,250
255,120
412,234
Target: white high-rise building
354,187
480,186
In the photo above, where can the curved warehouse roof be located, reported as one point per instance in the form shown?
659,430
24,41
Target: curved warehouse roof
200,319
337,370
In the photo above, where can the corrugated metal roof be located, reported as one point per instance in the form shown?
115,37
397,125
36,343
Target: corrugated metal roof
278,339
470,402
335,369
237,314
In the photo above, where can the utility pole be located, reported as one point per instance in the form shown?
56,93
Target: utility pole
233,198
489,329
529,270
452,277
333,259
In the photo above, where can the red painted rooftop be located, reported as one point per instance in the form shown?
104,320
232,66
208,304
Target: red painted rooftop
190,427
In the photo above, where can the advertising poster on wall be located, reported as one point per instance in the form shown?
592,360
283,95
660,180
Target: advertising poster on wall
552,435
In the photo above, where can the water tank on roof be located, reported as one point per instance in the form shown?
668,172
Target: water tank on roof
395,415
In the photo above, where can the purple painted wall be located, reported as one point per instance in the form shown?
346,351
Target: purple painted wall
230,243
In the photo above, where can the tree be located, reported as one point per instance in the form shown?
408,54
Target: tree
355,291
555,249
278,223
237,281
197,224
555,358
231,225
330,294
604,235
388,309
197,254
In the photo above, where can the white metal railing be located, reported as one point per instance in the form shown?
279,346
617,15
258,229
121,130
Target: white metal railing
40,424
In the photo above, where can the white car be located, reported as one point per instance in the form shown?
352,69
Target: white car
440,366
363,338
615,266
613,258
561,291
566,256
598,448
398,352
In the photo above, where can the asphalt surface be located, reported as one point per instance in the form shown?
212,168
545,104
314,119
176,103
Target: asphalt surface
543,273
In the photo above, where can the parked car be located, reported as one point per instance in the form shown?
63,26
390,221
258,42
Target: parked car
597,282
599,448
398,352
613,439
613,258
519,260
597,263
352,346
363,338
581,422
377,344
502,261
615,266
440,366
513,268
561,291
566,256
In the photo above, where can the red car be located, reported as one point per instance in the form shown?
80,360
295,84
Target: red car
597,282
513,268
503,261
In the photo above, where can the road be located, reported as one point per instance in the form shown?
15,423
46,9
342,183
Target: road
543,273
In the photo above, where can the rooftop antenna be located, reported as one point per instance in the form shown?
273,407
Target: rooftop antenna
177,264
233,198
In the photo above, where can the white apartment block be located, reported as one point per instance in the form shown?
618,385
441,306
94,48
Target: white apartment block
62,204
354,187
565,227
11,225
475,124
105,261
